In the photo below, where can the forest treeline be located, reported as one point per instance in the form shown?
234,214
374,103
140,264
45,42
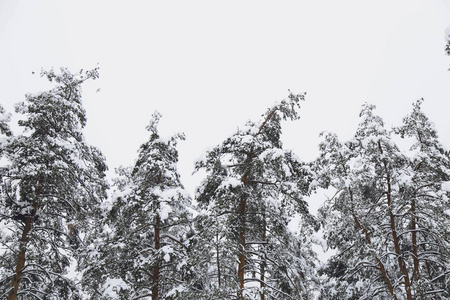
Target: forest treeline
63,237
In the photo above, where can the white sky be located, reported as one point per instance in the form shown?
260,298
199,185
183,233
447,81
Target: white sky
209,66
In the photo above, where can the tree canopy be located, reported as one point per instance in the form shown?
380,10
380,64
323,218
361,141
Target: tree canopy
248,232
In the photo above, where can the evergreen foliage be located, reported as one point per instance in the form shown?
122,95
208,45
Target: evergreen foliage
389,218
250,235
143,254
253,189
51,191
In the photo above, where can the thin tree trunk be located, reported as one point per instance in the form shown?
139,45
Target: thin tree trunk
262,270
397,249
155,289
218,259
379,262
414,240
242,254
21,261
23,248
241,266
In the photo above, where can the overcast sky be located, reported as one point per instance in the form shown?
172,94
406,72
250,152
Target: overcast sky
208,66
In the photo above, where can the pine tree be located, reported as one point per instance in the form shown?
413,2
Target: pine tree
428,218
253,189
144,253
357,220
373,220
51,188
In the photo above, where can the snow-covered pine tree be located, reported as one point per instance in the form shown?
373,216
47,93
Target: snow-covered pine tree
51,188
373,219
144,250
252,190
427,191
357,220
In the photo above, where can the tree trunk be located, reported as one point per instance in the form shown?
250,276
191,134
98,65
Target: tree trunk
21,261
241,266
262,270
242,254
218,259
155,289
379,262
398,251
22,251
414,240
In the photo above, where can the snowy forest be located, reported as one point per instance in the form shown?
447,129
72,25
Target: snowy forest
66,232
